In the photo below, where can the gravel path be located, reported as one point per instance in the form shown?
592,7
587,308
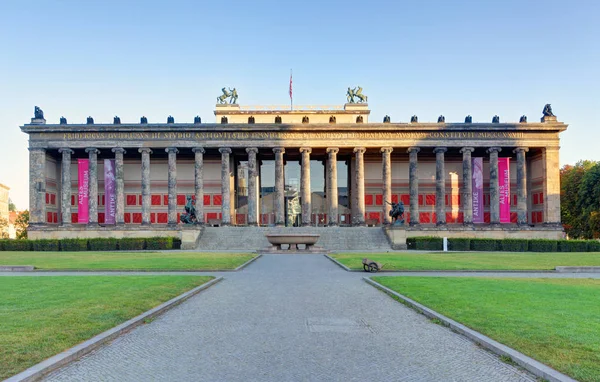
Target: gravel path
291,318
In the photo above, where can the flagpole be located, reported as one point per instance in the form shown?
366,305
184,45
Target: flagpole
291,97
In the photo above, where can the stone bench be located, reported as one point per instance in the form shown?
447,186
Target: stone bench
293,240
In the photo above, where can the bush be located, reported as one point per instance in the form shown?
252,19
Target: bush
484,245
572,246
17,245
2,245
513,245
159,243
543,245
459,244
103,244
45,245
74,245
593,246
425,243
131,244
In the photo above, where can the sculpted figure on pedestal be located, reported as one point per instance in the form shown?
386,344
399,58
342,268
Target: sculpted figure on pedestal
523,119
468,119
90,121
441,119
63,121
38,113
386,119
397,212
189,217
548,111
414,119
356,92
496,119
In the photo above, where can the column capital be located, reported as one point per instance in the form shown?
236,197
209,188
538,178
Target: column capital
172,150
145,150
386,150
440,150
252,150
92,150
36,149
63,150
279,150
118,150
306,150
521,149
359,150
493,150
332,150
467,150
225,150
413,149
198,150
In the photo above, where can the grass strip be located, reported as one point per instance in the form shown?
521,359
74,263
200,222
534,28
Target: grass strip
131,261
555,321
457,261
43,316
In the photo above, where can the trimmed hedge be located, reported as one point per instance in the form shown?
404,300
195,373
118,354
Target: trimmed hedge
513,245
45,245
72,245
572,245
543,245
484,245
103,244
16,245
159,243
425,243
459,244
99,244
132,244
593,246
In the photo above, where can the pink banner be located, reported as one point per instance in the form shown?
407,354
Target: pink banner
83,167
477,189
109,192
504,189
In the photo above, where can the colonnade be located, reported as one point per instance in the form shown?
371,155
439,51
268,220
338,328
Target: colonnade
37,184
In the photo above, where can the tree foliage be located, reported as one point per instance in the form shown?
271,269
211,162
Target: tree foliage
580,199
11,205
21,224
3,228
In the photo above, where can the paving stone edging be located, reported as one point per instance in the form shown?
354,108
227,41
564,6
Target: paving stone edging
537,368
580,269
340,264
16,268
246,263
42,369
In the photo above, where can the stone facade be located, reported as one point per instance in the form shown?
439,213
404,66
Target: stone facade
292,173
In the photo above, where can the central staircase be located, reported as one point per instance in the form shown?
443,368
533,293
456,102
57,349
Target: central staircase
336,239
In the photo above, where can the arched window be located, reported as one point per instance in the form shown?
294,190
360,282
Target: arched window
359,119
305,119
332,119
223,120
278,119
251,119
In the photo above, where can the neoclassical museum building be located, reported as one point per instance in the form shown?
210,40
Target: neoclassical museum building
307,166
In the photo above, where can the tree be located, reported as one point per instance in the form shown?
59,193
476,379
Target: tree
3,228
580,199
21,224
11,205
589,202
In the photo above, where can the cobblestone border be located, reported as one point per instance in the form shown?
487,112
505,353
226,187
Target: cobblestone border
42,369
16,268
245,264
581,269
537,368
340,264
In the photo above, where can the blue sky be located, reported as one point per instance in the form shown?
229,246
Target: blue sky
133,58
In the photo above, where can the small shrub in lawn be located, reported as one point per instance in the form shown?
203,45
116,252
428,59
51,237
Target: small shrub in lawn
543,245
17,245
459,244
71,245
131,244
159,243
593,246
103,244
484,245
513,245
572,245
45,245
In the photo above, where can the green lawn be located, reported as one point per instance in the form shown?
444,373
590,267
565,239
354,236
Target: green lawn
556,321
43,316
145,261
471,260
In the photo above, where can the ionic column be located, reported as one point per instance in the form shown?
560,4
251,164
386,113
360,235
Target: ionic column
145,184
225,186
252,186
521,185
551,168
199,183
440,185
65,188
332,186
413,184
172,185
119,186
387,183
467,191
93,186
494,186
358,192
305,194
279,187
37,186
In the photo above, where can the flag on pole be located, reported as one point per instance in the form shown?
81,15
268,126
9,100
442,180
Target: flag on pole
291,85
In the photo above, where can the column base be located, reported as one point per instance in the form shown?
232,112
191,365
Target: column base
145,224
468,224
67,225
440,224
92,225
171,224
359,224
253,224
306,224
495,224
279,225
414,224
332,224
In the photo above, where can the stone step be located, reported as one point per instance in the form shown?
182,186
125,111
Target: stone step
332,238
